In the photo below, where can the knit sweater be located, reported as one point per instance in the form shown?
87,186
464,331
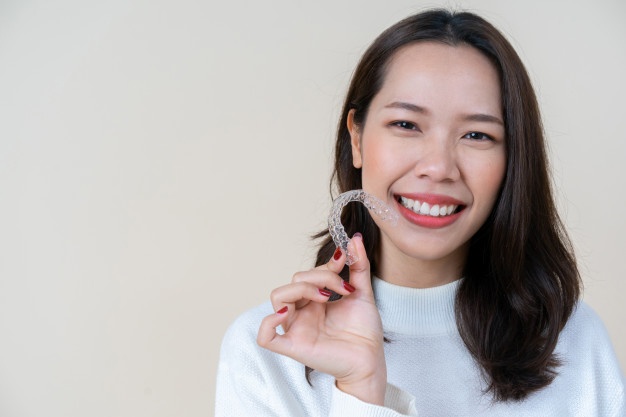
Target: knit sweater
430,372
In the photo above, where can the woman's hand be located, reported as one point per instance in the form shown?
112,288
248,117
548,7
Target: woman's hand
342,338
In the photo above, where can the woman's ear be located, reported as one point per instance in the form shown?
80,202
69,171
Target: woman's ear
355,140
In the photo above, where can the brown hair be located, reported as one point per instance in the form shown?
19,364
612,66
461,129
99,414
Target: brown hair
521,279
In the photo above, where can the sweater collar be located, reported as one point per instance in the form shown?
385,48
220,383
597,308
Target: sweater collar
416,311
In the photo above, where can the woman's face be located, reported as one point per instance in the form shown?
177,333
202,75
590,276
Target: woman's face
433,147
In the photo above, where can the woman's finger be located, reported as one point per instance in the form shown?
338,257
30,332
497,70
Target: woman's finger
360,275
292,293
322,278
335,264
298,294
267,331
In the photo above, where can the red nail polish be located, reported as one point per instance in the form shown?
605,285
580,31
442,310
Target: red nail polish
337,254
282,310
325,292
348,287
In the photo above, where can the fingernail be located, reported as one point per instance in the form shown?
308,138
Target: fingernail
352,253
348,287
337,254
357,234
325,292
282,310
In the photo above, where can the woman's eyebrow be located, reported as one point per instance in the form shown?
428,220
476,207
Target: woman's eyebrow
406,106
482,117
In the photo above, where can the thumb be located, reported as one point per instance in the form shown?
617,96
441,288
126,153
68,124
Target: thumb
360,275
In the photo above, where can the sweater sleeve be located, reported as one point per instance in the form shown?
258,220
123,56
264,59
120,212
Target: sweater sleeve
398,403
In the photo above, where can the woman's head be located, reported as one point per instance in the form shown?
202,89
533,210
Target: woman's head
526,171
433,147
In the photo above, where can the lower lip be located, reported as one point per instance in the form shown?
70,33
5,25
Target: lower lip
430,222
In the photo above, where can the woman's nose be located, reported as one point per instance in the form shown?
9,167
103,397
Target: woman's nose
437,162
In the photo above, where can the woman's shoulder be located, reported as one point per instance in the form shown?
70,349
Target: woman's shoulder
589,361
585,324
251,379
585,341
585,333
243,330
241,358
241,350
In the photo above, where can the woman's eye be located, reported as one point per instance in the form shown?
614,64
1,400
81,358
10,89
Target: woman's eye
405,125
477,136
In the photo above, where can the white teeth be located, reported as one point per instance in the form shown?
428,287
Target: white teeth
426,209
407,202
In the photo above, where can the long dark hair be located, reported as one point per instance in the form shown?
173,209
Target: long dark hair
521,279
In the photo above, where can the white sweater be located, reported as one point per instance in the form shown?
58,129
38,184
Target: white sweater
430,372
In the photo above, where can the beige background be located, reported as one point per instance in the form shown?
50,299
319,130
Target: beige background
162,164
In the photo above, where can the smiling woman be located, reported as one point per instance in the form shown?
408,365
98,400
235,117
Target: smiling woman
476,287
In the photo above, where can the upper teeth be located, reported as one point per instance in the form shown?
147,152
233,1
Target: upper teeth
426,209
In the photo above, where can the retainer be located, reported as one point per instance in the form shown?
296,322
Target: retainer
373,204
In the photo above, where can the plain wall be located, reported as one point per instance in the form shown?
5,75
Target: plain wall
163,164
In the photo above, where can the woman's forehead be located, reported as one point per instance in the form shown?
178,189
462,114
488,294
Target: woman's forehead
434,75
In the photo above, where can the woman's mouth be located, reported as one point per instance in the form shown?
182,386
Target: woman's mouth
426,209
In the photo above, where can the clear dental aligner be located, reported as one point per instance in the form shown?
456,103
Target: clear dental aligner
336,229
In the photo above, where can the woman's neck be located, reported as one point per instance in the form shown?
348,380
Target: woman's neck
398,268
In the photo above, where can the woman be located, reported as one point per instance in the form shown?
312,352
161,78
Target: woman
470,304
